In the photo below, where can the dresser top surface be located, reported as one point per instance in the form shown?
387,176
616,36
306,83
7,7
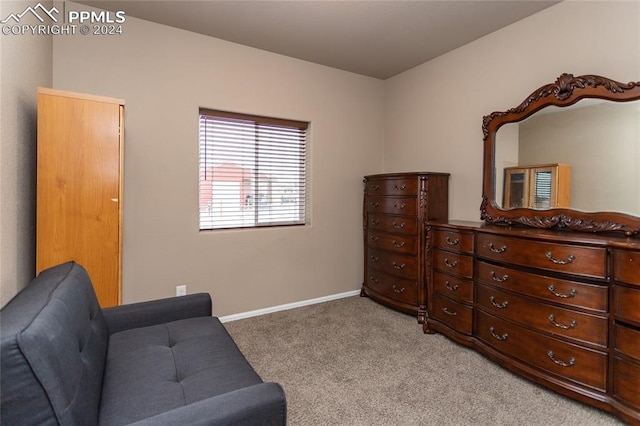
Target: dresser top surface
557,236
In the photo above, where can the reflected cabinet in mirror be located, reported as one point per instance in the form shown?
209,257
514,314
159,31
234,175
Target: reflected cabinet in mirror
567,157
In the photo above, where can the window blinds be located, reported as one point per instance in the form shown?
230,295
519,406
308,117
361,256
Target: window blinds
252,171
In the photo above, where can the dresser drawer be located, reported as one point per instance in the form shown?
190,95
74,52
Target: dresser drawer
453,240
393,287
627,266
454,287
387,186
628,341
547,318
626,303
454,314
396,224
391,205
394,242
576,363
565,292
453,263
395,264
571,259
626,381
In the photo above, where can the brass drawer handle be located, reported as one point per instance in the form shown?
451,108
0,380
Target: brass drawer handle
398,244
448,285
398,266
552,319
571,363
374,238
374,187
374,259
497,336
375,221
450,264
400,188
374,280
498,279
572,292
374,204
493,248
570,259
452,242
399,206
401,290
498,305
398,225
448,312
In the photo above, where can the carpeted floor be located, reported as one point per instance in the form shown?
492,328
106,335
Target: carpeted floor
354,362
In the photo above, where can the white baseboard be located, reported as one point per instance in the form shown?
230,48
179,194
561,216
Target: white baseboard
293,305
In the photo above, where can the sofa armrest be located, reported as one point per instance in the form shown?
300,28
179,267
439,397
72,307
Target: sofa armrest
258,405
159,311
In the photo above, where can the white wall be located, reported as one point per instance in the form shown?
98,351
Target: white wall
164,75
25,63
433,113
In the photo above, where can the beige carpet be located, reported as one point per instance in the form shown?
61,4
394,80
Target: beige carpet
354,362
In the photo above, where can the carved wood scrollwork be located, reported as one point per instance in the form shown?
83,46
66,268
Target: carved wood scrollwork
565,91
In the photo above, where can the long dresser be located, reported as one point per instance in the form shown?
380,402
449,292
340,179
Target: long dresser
396,209
559,308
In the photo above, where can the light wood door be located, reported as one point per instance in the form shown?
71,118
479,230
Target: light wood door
79,194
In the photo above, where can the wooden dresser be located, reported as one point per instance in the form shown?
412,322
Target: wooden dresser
395,211
559,308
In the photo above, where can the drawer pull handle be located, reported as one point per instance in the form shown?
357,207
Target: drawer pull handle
374,259
498,305
570,259
375,222
452,242
374,280
397,290
493,248
399,206
450,264
374,204
497,336
498,279
400,188
398,244
572,292
374,187
398,266
374,238
448,285
448,312
572,324
571,363
398,225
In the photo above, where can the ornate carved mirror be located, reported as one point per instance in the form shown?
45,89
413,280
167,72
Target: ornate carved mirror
567,157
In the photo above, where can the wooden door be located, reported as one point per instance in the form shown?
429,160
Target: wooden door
79,187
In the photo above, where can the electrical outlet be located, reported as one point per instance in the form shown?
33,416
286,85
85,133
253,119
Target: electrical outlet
181,290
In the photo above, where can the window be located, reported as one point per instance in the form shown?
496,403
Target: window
252,171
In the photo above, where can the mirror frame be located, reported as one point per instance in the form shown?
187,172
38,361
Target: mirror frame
567,90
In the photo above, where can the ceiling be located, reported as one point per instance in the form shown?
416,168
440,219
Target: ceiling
377,38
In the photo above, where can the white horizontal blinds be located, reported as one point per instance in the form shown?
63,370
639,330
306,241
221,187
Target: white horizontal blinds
252,171
542,190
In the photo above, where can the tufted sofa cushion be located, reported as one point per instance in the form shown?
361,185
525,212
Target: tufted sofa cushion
193,359
53,347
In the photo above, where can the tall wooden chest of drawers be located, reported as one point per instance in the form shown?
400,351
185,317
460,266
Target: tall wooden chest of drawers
395,211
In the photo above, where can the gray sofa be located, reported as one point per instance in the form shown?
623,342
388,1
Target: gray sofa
67,361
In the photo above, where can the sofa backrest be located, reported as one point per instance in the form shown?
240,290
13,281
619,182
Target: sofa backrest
54,342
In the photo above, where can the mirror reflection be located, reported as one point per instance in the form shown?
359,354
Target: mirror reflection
585,157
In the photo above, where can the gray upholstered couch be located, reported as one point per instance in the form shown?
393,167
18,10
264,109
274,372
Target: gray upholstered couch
66,361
